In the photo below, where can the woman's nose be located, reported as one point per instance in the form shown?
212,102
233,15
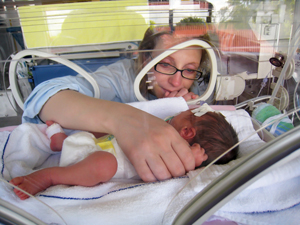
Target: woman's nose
176,79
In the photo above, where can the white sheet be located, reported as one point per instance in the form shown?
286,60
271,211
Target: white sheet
117,201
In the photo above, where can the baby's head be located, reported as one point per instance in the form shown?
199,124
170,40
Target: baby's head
211,130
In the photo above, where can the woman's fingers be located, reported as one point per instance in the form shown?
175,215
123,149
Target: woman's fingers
155,148
144,170
179,93
173,159
158,167
159,160
185,154
182,93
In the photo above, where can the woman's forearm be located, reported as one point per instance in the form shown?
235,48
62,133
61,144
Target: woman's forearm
74,110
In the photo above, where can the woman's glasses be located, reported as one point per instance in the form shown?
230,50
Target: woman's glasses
168,69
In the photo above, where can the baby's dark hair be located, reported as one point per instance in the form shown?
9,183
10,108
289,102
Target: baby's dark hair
216,136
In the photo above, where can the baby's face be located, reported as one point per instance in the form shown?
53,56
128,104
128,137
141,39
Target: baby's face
199,154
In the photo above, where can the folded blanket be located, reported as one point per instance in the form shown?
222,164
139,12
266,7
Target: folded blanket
26,149
162,108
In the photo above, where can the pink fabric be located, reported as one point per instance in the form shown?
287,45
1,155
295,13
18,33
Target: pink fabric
9,128
223,107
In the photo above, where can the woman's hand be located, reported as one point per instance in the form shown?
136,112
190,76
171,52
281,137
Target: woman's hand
182,93
155,148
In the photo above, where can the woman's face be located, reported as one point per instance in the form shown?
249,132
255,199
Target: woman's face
188,58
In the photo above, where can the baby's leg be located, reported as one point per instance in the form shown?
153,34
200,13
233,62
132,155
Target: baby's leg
96,168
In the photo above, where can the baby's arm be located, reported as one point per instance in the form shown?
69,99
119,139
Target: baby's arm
56,135
98,167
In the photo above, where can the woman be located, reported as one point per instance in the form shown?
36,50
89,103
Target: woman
155,149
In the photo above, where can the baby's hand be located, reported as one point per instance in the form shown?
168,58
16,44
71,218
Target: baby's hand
182,93
199,154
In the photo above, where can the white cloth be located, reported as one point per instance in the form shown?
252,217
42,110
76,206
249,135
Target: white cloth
162,108
54,129
78,146
27,150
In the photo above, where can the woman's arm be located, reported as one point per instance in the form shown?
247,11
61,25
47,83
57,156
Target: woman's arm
154,147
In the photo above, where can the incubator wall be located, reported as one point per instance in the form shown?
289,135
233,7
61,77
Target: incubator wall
243,36
252,64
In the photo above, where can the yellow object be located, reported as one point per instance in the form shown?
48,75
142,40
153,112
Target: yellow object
82,23
105,143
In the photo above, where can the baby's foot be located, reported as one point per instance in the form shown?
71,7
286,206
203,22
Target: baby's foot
56,139
32,184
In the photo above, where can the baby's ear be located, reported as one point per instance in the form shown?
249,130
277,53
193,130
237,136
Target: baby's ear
188,133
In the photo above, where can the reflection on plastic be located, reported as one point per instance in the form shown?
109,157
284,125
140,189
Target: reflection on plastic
81,23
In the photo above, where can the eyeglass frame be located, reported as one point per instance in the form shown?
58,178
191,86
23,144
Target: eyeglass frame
181,71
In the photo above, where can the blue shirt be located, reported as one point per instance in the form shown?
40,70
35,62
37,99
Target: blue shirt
115,82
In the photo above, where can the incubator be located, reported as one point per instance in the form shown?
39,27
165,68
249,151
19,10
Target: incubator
251,73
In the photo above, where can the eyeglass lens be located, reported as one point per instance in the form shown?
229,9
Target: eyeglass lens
168,69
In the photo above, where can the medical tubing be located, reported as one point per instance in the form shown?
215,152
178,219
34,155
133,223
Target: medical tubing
16,187
292,50
294,99
66,62
205,168
263,84
168,52
257,99
221,69
5,89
